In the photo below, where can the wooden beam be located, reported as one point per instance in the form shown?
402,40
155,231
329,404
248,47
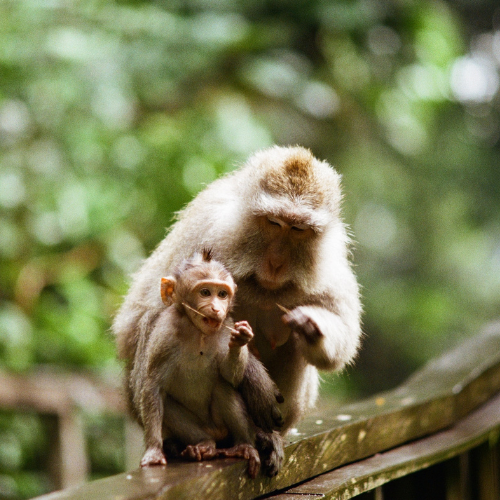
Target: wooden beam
435,398
472,431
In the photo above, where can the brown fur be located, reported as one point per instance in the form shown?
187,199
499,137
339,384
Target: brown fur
183,380
310,276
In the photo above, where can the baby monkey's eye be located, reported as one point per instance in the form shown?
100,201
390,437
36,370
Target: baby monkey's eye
205,292
222,294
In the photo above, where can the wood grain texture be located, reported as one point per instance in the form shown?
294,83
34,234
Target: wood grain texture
481,426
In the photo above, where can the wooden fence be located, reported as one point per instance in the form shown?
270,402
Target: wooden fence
435,436
62,399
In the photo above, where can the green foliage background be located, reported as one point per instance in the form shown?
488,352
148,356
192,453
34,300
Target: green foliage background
114,114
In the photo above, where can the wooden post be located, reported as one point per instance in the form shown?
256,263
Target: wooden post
487,472
68,465
134,444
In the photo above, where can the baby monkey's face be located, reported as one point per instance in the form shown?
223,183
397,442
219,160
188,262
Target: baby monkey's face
213,299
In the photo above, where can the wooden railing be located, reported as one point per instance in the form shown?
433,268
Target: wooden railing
62,400
435,436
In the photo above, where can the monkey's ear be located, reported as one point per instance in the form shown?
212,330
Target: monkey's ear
167,290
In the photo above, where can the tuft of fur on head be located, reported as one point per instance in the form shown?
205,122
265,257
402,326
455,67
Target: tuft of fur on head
293,182
207,254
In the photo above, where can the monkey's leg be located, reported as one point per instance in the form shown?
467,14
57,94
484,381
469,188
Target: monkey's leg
184,425
229,409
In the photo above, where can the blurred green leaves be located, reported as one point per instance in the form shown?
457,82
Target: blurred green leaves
113,114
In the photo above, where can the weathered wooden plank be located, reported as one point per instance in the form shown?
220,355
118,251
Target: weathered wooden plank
298,496
60,398
479,427
433,399
54,393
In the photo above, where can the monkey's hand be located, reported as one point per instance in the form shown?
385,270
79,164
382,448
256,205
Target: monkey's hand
206,450
153,456
244,335
301,323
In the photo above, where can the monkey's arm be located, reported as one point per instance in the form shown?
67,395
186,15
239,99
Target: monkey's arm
261,396
232,365
328,339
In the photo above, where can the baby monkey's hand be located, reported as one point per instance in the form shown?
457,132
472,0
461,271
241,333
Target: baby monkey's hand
241,335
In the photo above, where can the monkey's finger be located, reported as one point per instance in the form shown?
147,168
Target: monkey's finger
242,323
209,452
303,325
245,333
293,317
191,452
244,328
239,339
253,465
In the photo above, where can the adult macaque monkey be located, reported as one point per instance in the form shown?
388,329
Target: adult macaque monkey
183,383
275,224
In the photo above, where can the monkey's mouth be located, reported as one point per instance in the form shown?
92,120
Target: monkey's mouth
211,322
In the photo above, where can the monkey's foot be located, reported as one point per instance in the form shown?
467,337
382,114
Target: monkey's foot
206,450
153,456
246,451
270,446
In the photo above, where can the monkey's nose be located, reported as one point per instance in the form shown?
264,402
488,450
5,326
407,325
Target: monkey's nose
275,268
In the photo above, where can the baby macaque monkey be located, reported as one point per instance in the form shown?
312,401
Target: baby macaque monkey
185,378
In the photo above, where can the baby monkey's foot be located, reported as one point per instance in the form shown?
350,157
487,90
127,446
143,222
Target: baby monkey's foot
153,456
206,450
246,451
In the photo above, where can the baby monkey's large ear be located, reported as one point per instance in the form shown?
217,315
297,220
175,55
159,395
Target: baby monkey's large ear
168,290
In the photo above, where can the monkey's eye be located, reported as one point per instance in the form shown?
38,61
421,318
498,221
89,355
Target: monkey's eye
299,227
205,292
222,294
275,222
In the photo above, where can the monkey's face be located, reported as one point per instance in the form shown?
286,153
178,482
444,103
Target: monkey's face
213,299
286,244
